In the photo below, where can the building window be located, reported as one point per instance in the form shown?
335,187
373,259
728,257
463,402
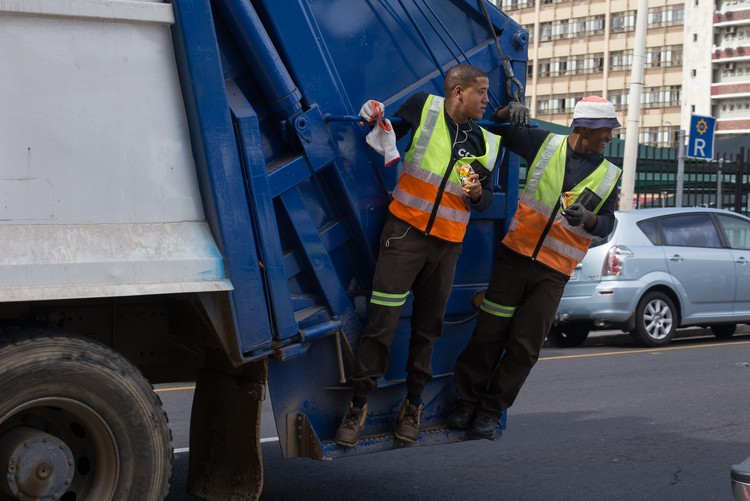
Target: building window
623,21
550,105
571,28
620,60
671,15
664,56
514,4
661,97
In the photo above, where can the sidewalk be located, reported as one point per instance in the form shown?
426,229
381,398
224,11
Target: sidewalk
618,337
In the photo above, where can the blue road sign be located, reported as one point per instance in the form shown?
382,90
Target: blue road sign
701,137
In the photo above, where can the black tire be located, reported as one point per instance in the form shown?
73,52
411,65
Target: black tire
97,407
723,331
655,320
568,336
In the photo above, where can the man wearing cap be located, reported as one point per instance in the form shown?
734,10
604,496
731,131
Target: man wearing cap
544,243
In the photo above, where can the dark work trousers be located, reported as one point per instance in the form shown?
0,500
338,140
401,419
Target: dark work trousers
408,260
484,380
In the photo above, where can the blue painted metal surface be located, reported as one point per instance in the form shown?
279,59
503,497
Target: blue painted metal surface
297,202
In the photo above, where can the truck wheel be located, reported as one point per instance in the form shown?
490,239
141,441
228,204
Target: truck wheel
655,320
78,422
568,336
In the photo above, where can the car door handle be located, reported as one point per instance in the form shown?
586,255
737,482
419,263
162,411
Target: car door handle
677,258
741,260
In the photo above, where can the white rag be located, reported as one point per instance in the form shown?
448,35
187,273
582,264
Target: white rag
383,140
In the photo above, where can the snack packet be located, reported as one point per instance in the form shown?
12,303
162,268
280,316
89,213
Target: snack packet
567,199
464,171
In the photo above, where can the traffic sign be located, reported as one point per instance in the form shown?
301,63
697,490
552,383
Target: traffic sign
701,137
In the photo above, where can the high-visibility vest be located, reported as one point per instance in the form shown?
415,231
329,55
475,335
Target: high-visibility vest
538,230
429,195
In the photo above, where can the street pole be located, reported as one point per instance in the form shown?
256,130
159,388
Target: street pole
719,201
680,168
632,124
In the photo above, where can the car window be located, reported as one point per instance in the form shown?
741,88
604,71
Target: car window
597,241
650,227
690,230
737,231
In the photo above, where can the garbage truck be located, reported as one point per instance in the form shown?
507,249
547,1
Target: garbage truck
187,195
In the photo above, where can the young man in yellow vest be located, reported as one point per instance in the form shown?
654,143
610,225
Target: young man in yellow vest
545,242
421,240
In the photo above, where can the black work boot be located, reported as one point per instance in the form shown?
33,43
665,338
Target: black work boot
407,423
462,417
347,434
484,426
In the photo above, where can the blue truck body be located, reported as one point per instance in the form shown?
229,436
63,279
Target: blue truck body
196,201
299,200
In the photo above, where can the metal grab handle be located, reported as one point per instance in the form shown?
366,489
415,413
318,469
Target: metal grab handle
741,260
677,258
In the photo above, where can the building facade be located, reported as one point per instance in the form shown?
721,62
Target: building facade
697,61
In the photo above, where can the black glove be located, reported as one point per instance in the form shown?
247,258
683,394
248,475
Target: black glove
519,114
575,214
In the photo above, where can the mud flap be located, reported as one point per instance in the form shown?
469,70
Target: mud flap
225,456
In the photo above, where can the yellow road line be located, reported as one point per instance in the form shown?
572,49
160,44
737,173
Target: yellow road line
651,351
175,388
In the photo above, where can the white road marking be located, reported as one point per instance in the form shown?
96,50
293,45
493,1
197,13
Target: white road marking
183,450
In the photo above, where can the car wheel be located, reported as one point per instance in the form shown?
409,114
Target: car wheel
568,336
655,320
723,331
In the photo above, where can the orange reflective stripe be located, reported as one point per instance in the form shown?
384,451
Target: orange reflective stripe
452,231
417,187
562,249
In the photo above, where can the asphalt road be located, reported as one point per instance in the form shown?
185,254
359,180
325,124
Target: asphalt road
604,421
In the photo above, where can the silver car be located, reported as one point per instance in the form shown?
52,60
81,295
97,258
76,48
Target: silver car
660,269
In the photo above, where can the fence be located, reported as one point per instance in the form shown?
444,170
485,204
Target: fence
717,183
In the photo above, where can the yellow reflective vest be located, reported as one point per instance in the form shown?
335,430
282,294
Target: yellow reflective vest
538,230
418,198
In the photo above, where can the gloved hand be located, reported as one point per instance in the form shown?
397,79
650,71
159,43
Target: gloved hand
519,114
370,110
382,139
576,214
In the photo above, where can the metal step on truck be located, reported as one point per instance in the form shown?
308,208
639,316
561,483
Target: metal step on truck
186,195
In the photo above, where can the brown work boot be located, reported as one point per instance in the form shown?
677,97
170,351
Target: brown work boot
347,434
407,423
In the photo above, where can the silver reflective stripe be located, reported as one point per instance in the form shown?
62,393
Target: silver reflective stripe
537,205
609,179
578,230
497,309
423,205
422,174
386,299
428,127
544,159
433,179
513,224
492,152
564,249
455,189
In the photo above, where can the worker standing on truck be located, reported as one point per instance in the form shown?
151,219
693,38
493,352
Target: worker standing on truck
569,198
421,240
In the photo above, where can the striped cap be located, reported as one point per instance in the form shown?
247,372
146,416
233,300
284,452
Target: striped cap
594,112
